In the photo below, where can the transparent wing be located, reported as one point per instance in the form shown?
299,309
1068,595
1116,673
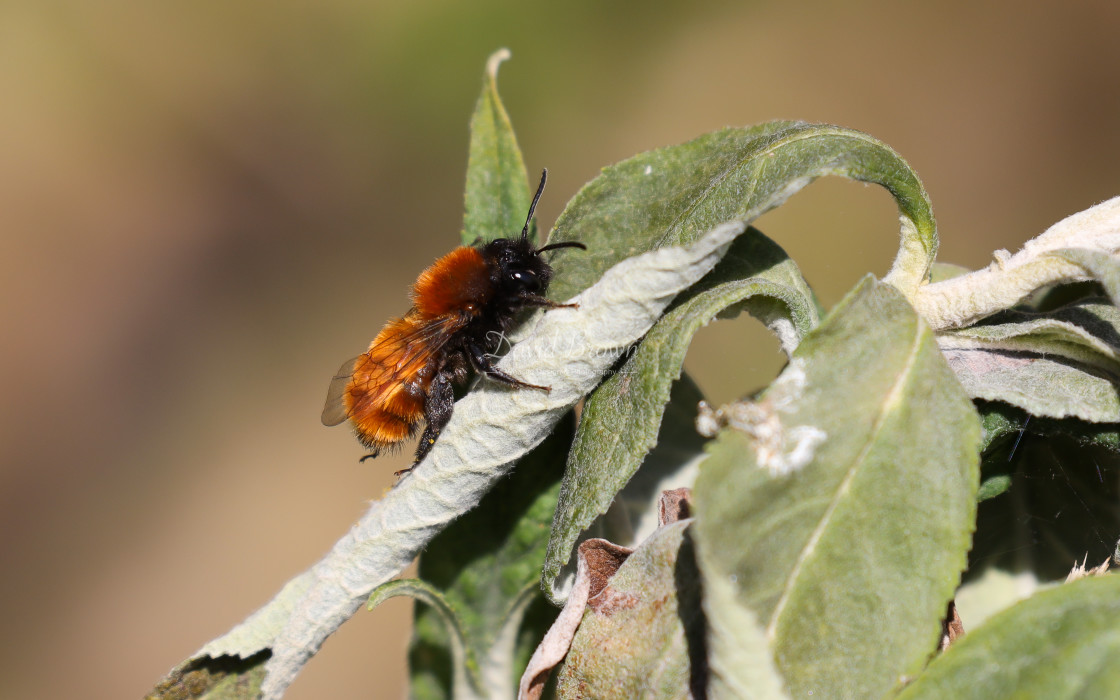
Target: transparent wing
334,410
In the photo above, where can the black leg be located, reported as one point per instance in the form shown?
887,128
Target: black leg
371,455
438,405
482,363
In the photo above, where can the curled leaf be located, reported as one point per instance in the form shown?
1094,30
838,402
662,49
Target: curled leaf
1086,331
597,562
671,195
464,670
1102,266
622,418
642,632
1045,260
493,426
1042,386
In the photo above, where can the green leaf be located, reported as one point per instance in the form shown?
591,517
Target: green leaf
638,634
621,419
1051,387
464,668
1062,503
840,505
1087,331
740,664
671,464
1059,643
1001,420
1008,429
998,421
497,192
486,566
671,195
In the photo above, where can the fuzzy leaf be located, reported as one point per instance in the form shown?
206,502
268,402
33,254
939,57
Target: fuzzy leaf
621,419
1042,386
1087,332
845,548
492,427
671,195
497,192
1002,427
1002,420
992,590
740,663
486,566
1059,643
464,668
1102,266
1044,260
639,633
672,464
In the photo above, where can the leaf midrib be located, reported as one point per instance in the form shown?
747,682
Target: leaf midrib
891,401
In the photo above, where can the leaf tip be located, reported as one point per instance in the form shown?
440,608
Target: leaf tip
495,60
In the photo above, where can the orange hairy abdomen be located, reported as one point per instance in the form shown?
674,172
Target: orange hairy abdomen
385,397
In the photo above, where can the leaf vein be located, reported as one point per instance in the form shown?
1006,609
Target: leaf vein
891,401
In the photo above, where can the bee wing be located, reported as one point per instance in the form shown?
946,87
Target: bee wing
393,359
334,411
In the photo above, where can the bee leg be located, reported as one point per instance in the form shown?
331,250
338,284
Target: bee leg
371,455
544,302
438,405
482,364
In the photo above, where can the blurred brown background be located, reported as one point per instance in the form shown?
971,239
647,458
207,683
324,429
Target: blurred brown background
205,207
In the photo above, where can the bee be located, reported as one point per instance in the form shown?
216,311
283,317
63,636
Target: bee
460,305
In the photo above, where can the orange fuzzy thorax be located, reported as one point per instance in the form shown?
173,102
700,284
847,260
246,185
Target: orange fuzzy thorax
459,282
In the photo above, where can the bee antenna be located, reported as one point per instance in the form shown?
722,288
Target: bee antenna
533,206
561,244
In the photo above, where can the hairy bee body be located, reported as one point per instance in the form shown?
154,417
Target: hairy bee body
461,307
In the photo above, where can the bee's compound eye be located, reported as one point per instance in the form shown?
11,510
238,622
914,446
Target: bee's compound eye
525,280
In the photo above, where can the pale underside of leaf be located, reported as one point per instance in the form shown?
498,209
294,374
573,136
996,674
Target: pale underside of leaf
1042,386
1044,260
1085,332
622,418
1102,266
567,349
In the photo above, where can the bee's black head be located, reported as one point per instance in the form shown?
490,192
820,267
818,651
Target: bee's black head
520,270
